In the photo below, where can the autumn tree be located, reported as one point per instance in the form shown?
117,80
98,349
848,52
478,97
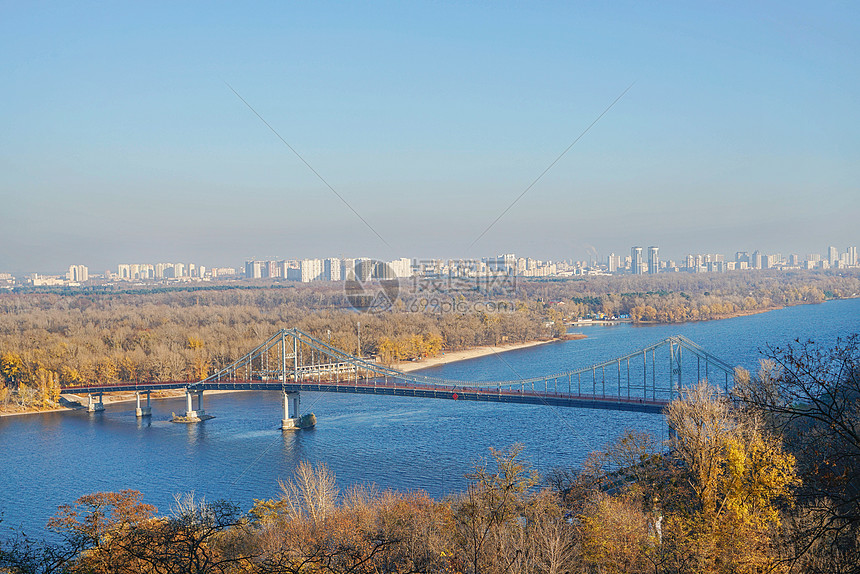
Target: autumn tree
94,529
308,530
11,366
737,474
495,498
809,394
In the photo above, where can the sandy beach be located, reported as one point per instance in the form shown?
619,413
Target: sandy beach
454,356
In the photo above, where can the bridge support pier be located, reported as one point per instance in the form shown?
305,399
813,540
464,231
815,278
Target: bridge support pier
190,412
143,411
95,407
292,402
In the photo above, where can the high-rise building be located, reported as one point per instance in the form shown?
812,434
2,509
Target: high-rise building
271,269
363,269
755,260
832,256
852,255
331,269
690,262
78,273
612,263
253,269
347,269
506,263
311,270
636,260
653,261
403,267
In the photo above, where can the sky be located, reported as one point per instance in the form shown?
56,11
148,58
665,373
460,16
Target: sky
121,139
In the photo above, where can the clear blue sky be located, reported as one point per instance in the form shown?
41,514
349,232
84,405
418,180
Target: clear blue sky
120,142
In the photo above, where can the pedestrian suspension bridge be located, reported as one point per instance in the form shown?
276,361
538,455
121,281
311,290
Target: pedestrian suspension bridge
292,361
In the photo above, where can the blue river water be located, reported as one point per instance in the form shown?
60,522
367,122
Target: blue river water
395,442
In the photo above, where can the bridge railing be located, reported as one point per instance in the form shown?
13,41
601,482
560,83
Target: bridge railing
289,345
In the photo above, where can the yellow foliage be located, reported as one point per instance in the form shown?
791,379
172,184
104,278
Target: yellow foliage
194,343
10,365
70,376
738,475
616,535
409,347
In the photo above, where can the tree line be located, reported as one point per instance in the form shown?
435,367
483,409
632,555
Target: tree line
48,340
681,297
764,480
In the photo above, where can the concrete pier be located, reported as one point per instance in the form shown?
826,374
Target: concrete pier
93,407
291,411
143,411
190,411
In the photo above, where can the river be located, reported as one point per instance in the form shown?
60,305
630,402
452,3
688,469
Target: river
395,442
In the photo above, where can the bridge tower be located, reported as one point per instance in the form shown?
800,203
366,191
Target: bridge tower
292,400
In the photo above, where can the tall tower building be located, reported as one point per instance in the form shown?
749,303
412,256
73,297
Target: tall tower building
612,263
852,255
653,261
636,260
311,270
833,256
78,273
331,269
253,269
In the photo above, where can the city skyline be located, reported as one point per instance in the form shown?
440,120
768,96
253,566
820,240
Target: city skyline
639,262
430,122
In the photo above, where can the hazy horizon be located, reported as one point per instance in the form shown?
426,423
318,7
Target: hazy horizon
121,141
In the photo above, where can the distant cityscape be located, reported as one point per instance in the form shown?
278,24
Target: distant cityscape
640,261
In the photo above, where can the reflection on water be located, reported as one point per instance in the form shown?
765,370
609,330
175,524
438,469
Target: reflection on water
396,442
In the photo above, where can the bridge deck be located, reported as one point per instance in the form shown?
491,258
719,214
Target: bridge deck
391,388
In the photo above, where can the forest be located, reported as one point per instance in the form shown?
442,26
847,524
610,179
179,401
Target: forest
50,338
764,480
